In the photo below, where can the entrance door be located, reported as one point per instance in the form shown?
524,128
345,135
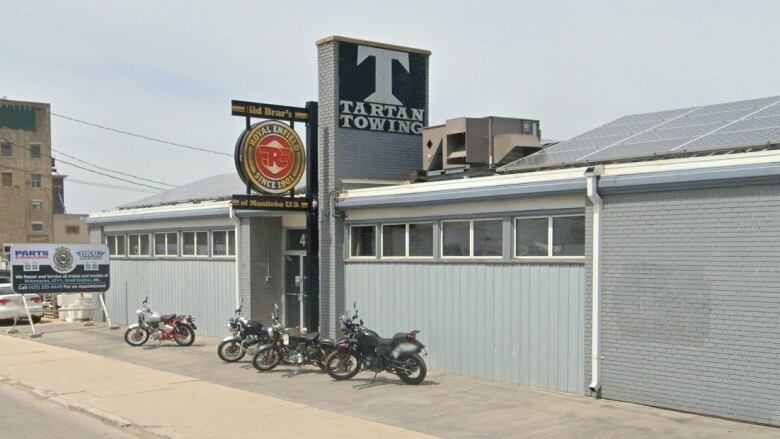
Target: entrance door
294,265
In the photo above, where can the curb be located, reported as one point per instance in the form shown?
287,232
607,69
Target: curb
103,416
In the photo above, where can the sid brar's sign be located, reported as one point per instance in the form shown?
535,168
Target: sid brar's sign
382,89
59,268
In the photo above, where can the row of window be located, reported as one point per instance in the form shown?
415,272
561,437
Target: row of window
534,237
7,179
195,243
7,150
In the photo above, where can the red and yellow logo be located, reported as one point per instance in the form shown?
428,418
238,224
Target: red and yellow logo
270,157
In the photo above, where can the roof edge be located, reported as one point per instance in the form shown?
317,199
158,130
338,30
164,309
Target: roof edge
372,44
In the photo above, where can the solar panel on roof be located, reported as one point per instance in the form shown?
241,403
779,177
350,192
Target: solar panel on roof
754,122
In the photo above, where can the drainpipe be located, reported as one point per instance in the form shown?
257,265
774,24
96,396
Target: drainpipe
592,179
237,222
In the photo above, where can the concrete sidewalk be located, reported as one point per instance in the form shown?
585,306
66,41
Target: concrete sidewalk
167,404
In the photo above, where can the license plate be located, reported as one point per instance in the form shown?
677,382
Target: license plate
286,339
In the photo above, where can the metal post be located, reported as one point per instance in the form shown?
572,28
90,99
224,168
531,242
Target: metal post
105,311
29,318
312,280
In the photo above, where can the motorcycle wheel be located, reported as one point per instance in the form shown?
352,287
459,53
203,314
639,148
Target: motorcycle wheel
266,358
416,363
136,336
183,335
326,351
230,351
342,365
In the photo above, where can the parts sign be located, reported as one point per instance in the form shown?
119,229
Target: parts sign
59,268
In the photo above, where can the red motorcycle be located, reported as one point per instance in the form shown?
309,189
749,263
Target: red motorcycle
180,329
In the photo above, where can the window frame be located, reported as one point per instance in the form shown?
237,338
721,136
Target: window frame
433,235
33,147
229,244
3,146
71,226
114,236
550,236
33,224
40,181
33,201
11,182
382,241
165,244
376,245
471,238
195,244
139,235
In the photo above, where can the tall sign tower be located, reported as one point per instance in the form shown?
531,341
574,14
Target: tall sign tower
373,104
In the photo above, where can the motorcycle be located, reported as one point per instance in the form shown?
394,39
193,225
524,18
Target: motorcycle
180,329
363,348
288,346
248,336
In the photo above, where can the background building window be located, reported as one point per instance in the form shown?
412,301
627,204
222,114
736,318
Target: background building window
35,180
531,236
36,204
362,241
8,179
488,238
195,243
455,238
394,240
35,151
223,243
72,230
569,236
37,227
6,150
166,244
421,240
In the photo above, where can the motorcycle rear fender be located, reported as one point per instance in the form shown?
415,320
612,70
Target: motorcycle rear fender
231,338
344,344
327,342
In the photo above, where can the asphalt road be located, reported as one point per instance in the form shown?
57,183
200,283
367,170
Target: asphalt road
25,416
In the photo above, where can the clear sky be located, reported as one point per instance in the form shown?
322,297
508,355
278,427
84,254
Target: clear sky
169,69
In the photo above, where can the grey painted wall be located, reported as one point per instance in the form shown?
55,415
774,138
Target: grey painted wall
518,323
348,154
691,300
203,288
260,255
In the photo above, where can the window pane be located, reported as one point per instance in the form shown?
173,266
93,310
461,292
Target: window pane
569,236
219,247
35,151
37,227
363,241
120,245
35,180
531,237
202,240
232,243
145,244
296,240
488,238
111,243
6,150
394,240
173,244
421,240
188,243
159,244
132,242
455,238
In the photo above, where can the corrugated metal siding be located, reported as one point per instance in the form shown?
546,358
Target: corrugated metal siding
519,323
205,289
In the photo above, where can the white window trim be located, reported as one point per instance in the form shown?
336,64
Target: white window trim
228,244
376,245
549,237
195,232
127,245
408,256
382,241
166,255
114,236
471,239
40,181
32,200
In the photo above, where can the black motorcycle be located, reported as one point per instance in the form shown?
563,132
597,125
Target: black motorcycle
291,347
248,336
363,348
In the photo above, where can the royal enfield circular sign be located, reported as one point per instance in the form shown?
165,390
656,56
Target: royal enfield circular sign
270,157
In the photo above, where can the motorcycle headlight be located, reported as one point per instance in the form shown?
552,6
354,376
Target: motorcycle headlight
270,330
139,312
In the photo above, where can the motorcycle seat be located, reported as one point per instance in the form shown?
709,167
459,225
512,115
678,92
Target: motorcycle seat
311,337
167,317
396,338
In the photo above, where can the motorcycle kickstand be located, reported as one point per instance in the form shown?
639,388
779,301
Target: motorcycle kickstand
295,372
372,383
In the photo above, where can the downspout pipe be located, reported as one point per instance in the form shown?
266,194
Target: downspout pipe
592,181
237,251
